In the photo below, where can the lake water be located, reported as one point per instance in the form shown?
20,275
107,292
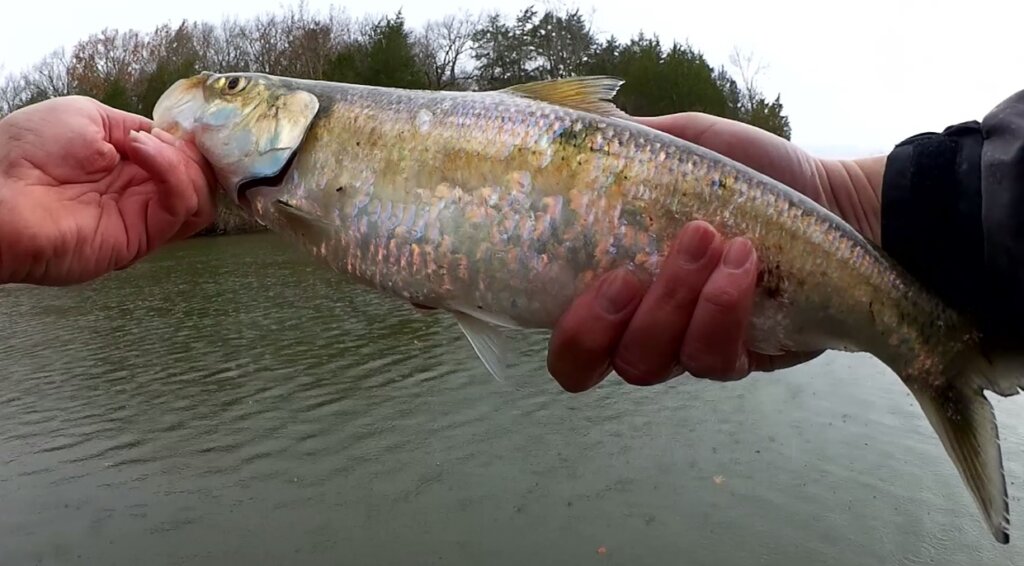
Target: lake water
227,401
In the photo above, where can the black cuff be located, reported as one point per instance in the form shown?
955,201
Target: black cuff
931,213
953,217
1002,189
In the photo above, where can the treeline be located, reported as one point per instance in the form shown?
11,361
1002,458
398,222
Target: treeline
130,69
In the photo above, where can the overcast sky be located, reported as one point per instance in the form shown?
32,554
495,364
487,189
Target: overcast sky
855,77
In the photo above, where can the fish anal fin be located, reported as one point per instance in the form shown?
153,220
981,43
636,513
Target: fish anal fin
964,420
588,93
487,340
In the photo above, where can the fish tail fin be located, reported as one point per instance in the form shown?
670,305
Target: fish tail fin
965,422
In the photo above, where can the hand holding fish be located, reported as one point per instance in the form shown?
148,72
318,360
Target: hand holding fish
86,189
694,316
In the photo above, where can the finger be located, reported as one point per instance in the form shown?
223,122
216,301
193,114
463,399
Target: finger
202,219
187,148
714,346
180,184
206,211
649,350
118,126
581,346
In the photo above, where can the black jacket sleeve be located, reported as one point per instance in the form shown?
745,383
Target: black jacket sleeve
953,216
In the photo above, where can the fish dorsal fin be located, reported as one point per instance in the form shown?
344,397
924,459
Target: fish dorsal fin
589,94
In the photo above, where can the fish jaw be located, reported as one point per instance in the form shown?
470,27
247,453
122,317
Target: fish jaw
248,126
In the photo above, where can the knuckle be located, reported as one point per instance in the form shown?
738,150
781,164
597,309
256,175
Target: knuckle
98,158
722,297
679,293
678,289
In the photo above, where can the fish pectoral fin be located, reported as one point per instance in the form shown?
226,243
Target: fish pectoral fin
965,423
489,343
300,220
589,94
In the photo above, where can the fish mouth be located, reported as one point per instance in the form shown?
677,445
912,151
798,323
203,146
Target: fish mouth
271,182
176,110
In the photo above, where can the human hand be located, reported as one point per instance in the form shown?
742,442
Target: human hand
694,315
85,189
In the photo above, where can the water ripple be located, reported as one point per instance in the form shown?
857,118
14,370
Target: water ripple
226,401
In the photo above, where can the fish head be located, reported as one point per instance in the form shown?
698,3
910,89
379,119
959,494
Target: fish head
248,126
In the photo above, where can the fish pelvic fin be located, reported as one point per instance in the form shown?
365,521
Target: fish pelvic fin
490,345
965,422
588,94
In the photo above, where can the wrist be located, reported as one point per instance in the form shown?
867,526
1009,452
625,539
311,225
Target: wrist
6,267
853,191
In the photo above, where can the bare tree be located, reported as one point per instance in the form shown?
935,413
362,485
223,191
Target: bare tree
226,47
443,47
109,57
748,71
8,94
310,42
562,43
52,74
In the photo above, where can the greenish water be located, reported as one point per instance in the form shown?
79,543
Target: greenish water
229,402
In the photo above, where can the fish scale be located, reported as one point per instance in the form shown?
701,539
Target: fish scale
501,207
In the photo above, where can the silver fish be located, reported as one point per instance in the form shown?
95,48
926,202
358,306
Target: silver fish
500,207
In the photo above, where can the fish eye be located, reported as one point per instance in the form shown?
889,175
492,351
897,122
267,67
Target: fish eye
234,85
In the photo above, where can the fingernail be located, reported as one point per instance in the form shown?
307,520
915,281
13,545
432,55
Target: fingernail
615,293
165,136
695,242
737,255
140,137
